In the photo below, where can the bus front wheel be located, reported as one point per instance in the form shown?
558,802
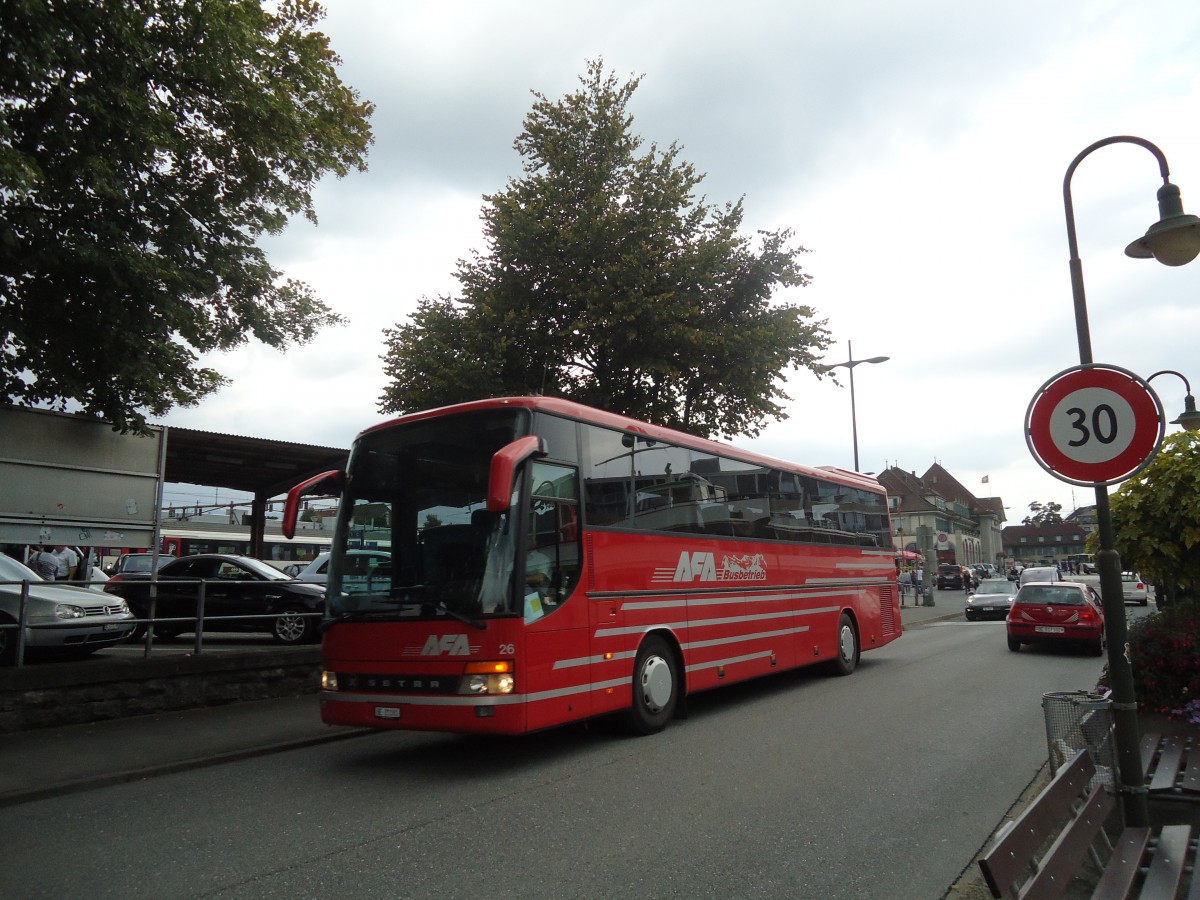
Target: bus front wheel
655,687
847,647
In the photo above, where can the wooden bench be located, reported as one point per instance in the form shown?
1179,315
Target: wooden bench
1040,853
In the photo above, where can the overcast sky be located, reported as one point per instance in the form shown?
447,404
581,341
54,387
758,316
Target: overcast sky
916,149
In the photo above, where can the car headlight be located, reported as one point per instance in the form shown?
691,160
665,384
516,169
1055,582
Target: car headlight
68,611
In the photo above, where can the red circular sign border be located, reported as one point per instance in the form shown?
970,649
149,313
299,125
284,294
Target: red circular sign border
1142,447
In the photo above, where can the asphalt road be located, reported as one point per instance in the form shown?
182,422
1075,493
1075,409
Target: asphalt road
881,785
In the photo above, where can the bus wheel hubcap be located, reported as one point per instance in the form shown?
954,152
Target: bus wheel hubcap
656,683
847,643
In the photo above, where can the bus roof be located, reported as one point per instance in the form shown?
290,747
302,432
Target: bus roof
580,412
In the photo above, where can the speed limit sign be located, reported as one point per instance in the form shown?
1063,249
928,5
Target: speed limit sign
1094,425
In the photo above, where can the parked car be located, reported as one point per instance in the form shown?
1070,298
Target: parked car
991,600
361,567
1135,590
949,577
240,594
84,620
135,562
1045,612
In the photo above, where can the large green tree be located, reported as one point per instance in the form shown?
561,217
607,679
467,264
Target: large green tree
145,146
608,282
1156,517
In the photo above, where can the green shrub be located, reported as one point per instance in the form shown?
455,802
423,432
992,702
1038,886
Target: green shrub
1164,650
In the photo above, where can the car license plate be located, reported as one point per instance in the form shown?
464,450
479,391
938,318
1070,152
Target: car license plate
1049,629
387,712
111,626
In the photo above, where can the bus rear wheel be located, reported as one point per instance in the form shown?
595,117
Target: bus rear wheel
847,647
655,687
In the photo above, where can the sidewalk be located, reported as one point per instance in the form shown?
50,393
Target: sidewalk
50,761
45,762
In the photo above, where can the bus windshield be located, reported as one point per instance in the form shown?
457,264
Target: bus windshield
419,493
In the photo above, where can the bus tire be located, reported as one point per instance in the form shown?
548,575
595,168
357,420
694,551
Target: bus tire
655,687
846,660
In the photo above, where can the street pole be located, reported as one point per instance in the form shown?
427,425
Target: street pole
1168,241
850,364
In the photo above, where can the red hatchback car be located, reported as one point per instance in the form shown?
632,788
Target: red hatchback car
1046,612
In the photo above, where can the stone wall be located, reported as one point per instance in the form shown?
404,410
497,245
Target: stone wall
71,693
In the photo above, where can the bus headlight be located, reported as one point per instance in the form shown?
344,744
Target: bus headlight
328,680
488,678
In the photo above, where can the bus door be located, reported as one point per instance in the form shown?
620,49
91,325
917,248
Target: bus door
555,612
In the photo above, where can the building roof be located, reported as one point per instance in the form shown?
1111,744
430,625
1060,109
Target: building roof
259,466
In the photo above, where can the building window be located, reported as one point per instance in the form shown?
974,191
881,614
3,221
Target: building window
1058,539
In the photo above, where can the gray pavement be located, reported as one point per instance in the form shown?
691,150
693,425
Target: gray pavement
50,761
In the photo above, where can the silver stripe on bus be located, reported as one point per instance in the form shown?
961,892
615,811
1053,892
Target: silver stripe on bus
705,623
696,667
742,638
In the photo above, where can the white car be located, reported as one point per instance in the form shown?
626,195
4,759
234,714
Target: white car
1135,589
361,566
60,619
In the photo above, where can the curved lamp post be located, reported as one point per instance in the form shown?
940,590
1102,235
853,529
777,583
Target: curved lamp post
1174,240
1189,419
850,364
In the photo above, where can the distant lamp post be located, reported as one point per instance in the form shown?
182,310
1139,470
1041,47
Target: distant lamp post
1189,419
850,364
1174,240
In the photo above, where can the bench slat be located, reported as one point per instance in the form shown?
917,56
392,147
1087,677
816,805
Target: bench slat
1149,744
1006,862
1123,865
1060,863
1168,765
1191,775
1166,865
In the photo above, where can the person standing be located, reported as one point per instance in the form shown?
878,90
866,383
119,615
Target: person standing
68,562
44,563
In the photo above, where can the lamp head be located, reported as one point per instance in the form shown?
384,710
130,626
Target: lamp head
1174,240
1189,419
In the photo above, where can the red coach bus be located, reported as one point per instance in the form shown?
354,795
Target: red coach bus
548,562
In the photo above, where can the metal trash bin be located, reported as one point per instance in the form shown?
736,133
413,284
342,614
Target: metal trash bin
1079,720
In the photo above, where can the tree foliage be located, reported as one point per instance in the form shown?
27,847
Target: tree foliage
1156,517
145,145
608,282
1043,514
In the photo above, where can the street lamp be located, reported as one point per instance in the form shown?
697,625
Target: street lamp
1189,419
1174,240
850,364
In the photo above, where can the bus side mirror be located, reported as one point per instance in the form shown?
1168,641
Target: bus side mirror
291,508
505,462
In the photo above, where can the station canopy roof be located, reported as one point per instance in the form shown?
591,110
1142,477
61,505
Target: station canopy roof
259,466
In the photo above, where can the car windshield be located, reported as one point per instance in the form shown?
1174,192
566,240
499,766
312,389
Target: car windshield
996,587
1129,576
1051,594
419,492
11,570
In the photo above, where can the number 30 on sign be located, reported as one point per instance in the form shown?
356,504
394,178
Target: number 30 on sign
1094,425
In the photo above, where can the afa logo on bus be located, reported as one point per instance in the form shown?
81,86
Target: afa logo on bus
702,566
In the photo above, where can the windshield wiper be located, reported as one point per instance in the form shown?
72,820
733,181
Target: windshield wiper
462,617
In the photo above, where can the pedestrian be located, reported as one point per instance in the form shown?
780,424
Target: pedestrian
905,578
44,563
68,562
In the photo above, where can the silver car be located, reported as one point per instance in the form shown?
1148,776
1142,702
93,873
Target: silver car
60,619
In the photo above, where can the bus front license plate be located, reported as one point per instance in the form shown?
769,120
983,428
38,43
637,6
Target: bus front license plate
387,712
1049,629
